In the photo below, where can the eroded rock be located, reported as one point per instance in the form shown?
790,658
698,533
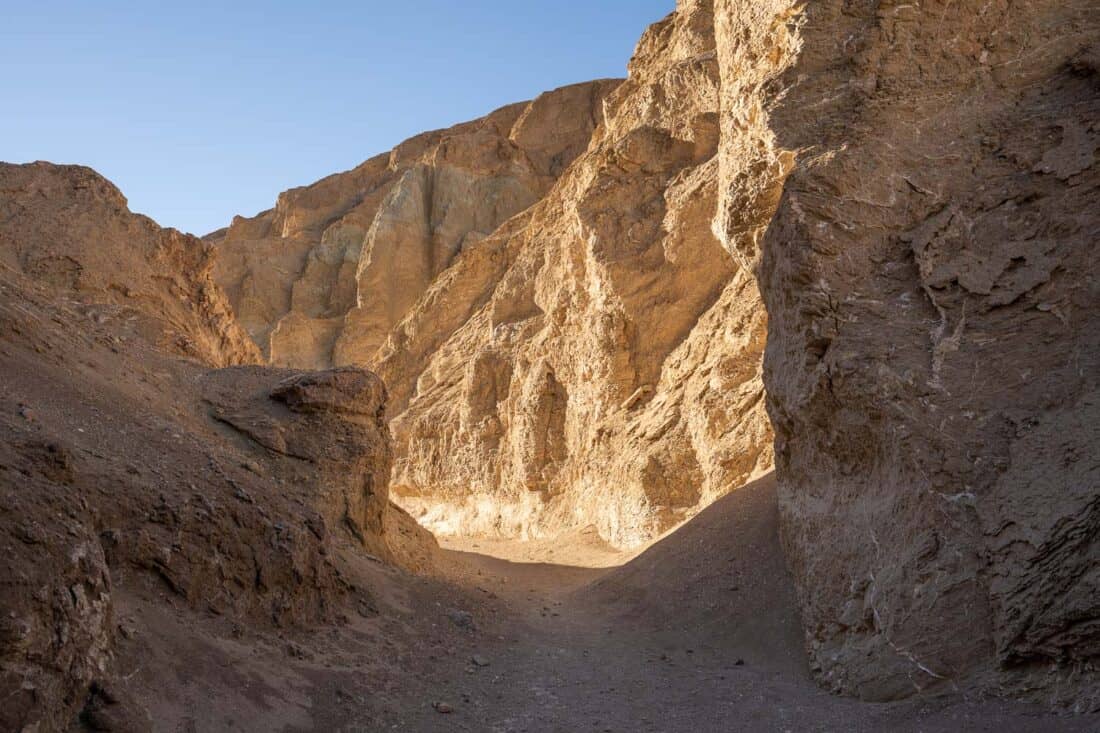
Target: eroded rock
596,360
69,229
55,597
321,279
325,430
115,480
929,276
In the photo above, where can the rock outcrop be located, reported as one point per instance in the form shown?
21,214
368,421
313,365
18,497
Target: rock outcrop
69,229
871,222
55,591
932,359
123,465
328,432
322,278
596,360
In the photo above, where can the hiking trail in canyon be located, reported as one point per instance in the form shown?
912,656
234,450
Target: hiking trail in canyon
700,632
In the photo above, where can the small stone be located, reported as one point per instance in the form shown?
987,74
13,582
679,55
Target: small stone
461,619
479,660
442,707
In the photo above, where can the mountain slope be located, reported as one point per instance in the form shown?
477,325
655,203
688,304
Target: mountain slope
129,466
321,279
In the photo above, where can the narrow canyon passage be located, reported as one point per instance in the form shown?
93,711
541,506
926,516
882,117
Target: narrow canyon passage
852,242
700,632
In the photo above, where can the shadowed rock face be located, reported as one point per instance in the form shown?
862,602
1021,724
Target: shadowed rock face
124,465
55,592
931,369
243,523
322,278
327,430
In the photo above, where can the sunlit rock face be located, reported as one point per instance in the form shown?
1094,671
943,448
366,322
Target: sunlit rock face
933,345
322,278
596,360
68,229
564,339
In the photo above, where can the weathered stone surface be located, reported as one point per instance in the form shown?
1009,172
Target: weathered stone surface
68,228
563,299
558,354
596,360
322,278
932,359
55,591
115,474
327,432
124,478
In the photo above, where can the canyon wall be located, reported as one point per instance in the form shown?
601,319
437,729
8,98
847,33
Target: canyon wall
322,278
127,465
933,344
596,360
564,340
898,198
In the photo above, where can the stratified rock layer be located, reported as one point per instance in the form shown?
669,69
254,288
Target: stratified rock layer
930,276
322,278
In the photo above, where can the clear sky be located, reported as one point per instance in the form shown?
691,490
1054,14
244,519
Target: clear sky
200,110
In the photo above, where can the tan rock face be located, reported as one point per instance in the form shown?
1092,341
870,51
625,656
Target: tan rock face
68,228
564,301
932,355
557,354
322,278
597,359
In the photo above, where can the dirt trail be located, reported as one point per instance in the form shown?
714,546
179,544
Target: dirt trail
698,633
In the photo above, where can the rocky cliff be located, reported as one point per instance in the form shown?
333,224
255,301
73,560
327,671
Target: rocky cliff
866,225
930,280
596,360
322,278
912,189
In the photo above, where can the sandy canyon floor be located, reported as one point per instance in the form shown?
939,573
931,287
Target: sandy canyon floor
699,632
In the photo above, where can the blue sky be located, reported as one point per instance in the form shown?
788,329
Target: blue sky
201,110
